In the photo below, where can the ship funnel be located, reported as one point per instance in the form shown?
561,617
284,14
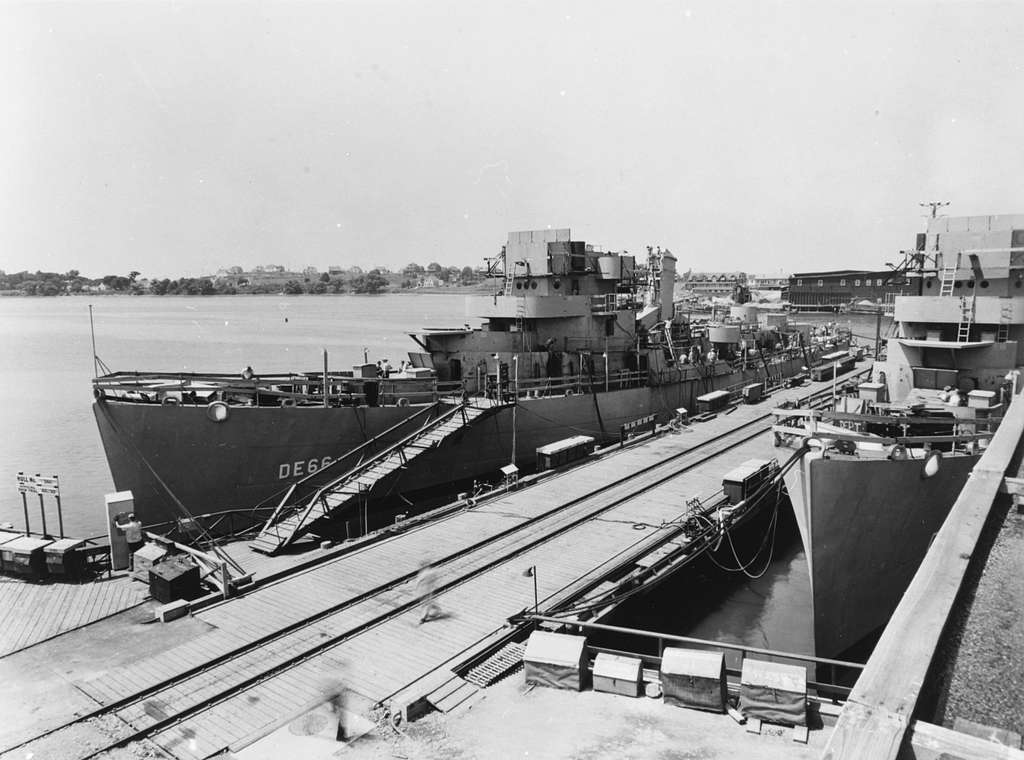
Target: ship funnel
668,285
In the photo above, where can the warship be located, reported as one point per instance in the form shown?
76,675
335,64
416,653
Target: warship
882,469
573,341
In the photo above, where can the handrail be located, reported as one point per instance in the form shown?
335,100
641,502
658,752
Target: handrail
357,451
663,637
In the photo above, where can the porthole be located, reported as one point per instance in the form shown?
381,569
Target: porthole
533,285
984,283
970,283
558,283
957,284
519,286
927,283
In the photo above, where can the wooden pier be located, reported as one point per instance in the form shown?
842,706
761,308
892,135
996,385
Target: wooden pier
233,672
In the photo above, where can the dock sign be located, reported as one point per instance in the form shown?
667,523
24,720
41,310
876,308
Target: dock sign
41,484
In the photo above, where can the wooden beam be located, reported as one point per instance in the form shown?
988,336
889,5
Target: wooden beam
928,741
874,722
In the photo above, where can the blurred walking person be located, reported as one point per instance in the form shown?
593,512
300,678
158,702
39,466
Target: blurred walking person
426,583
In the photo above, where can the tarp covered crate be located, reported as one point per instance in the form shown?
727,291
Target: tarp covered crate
65,558
24,555
774,692
693,678
616,674
558,660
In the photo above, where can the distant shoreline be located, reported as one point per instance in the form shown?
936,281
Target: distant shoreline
466,289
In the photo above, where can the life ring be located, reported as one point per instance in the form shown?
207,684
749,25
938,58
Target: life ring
402,402
470,502
287,402
898,453
217,411
170,401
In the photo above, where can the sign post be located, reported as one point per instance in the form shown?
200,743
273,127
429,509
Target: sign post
40,484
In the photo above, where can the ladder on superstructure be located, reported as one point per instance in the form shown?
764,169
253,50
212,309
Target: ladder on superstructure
510,276
1005,318
948,278
291,520
966,318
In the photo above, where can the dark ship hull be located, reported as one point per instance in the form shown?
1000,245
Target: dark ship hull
866,525
177,455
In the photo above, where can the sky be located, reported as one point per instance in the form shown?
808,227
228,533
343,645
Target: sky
177,138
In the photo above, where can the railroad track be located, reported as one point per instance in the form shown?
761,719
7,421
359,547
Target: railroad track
162,707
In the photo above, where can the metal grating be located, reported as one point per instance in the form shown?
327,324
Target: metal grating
497,666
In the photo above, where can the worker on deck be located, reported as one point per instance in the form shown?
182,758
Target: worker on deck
132,530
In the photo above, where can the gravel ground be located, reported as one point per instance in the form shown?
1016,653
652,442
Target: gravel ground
984,656
515,721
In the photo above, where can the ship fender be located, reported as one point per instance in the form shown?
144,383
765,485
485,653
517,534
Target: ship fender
217,411
932,464
402,402
170,401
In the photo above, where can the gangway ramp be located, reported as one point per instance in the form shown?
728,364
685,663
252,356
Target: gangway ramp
293,516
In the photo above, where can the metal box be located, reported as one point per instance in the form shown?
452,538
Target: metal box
145,559
981,399
752,393
693,678
774,692
616,674
364,370
5,536
558,660
740,482
712,402
64,558
24,556
174,578
562,452
871,391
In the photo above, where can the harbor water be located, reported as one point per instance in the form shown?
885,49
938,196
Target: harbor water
46,366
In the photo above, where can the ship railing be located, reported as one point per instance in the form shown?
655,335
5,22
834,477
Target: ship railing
968,433
735,654
269,390
577,383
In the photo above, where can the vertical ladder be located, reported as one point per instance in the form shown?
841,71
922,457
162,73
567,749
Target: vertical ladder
966,318
510,277
948,277
1005,318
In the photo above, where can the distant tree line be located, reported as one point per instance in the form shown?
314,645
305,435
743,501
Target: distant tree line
72,282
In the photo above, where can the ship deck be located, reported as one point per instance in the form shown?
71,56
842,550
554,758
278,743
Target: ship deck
239,671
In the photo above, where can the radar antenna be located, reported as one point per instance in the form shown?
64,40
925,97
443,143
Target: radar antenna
934,205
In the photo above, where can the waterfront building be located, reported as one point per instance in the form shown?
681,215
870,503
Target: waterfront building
843,288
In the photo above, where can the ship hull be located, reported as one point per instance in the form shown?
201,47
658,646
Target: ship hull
176,460
866,524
